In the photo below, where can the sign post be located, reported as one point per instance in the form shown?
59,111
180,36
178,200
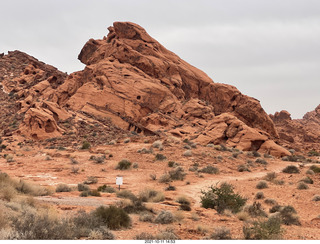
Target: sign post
119,181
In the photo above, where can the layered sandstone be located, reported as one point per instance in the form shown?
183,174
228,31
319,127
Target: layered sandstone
139,85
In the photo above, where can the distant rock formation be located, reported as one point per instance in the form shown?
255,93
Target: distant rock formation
299,134
141,86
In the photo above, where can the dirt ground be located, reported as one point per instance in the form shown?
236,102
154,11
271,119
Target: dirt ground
50,167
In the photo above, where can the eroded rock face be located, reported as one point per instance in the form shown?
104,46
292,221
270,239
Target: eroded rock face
140,85
299,133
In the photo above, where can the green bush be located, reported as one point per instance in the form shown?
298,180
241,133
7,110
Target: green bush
291,169
264,230
124,164
222,197
113,217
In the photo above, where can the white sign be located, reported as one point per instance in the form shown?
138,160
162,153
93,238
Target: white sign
119,181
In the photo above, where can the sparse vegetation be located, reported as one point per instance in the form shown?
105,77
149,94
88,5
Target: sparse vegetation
291,169
316,198
160,157
85,145
209,170
106,188
263,230
222,197
113,217
259,195
270,176
315,168
255,210
302,186
63,188
262,185
124,164
221,233
164,217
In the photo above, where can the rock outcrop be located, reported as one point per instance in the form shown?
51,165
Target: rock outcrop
139,85
299,133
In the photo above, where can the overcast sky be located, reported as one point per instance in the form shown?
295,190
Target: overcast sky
268,49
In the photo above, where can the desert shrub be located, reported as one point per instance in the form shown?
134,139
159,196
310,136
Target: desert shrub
84,194
95,193
127,194
153,176
259,195
75,170
307,180
255,210
270,201
221,233
172,164
270,176
165,178
313,153
310,172
105,188
289,216
243,168
183,200
99,160
275,208
85,145
168,234
209,170
135,165
315,168
187,153
73,161
63,188
160,157
84,223
34,226
134,206
164,217
83,187
222,197
7,192
170,188
145,236
150,195
124,164
316,198
101,233
263,230
157,144
127,140
291,169
261,161
113,217
185,207
91,180
243,216
262,185
302,186
146,217
177,174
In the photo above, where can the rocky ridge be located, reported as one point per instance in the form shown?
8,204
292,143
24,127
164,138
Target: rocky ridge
134,83
299,134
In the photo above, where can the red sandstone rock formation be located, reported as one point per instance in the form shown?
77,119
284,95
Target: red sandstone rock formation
140,85
299,133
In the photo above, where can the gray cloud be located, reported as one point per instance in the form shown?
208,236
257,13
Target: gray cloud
268,49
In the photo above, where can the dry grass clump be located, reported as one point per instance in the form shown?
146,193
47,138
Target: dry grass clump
63,188
146,217
259,195
302,186
262,185
209,170
270,176
164,217
150,195
123,164
255,210
316,198
221,233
